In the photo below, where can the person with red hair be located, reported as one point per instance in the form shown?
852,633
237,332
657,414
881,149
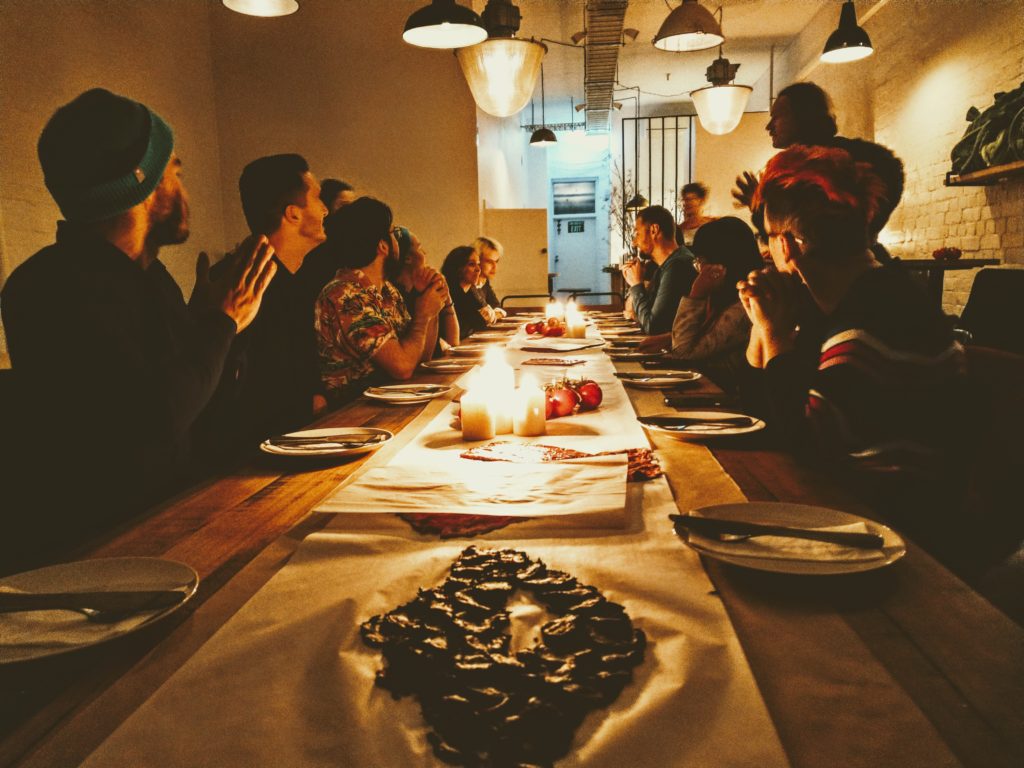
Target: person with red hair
873,380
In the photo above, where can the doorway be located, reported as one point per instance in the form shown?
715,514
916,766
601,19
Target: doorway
578,252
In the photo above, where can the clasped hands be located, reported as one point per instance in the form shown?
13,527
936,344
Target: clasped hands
771,301
433,291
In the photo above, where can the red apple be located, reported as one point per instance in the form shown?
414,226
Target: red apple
590,395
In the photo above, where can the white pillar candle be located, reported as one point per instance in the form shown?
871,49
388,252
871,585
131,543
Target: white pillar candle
497,381
528,416
477,419
554,309
576,326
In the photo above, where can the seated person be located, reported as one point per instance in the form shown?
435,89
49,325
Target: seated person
490,251
336,194
876,392
655,306
711,327
693,196
272,378
412,257
102,344
461,269
364,331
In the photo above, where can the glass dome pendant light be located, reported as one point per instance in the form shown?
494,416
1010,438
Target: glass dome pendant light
444,24
264,8
543,136
849,42
720,105
502,71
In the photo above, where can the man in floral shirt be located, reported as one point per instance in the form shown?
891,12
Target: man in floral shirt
363,327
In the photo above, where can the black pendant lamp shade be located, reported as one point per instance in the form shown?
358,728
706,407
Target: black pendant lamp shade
849,42
444,24
636,203
543,136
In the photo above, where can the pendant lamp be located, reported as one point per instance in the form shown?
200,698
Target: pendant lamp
690,27
849,42
636,203
444,24
262,7
720,105
543,136
502,71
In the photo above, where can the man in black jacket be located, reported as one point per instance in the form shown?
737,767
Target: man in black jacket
111,367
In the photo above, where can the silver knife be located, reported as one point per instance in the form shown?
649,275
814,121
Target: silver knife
121,601
713,526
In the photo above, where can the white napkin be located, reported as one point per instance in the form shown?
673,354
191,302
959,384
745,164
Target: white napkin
784,548
595,486
24,633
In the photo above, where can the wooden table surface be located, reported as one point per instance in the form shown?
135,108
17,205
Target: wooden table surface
905,666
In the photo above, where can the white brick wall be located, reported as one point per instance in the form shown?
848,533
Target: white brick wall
933,60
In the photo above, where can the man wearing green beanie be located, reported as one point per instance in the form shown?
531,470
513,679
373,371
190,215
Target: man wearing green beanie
111,367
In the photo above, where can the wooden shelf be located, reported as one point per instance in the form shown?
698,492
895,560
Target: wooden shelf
986,176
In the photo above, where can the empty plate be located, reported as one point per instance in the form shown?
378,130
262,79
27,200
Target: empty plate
657,380
331,441
35,634
405,394
781,555
469,350
446,365
700,425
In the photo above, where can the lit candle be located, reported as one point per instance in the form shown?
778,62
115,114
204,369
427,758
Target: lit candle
554,309
476,416
497,380
528,416
575,324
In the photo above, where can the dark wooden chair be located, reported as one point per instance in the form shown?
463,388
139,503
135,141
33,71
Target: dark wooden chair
992,313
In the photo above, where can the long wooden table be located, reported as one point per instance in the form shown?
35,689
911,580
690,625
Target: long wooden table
903,666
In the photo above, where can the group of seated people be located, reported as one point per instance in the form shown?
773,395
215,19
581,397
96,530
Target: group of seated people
325,297
844,355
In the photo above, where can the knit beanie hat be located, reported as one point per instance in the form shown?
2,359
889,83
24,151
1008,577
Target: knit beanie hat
404,239
103,154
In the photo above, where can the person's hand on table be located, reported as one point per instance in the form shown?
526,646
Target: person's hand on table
709,279
632,272
661,342
488,314
499,312
239,291
743,194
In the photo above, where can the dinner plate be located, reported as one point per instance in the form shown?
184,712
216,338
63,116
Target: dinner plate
492,336
621,343
634,355
447,365
702,432
405,394
655,380
37,634
469,350
343,435
560,344
798,516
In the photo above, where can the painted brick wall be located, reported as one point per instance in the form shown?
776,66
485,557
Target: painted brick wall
933,60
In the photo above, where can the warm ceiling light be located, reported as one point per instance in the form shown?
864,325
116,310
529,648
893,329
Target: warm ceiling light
444,24
849,42
636,203
263,7
720,105
690,27
543,137
502,73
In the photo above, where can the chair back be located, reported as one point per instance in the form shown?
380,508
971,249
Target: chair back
992,313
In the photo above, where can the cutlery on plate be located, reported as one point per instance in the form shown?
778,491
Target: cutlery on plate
123,601
708,526
292,441
682,422
415,389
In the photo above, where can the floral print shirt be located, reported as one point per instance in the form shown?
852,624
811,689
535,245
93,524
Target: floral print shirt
352,320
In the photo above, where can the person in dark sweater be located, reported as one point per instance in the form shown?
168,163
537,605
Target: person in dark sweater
106,355
876,385
461,270
271,383
655,307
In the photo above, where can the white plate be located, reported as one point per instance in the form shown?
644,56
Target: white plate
801,516
37,634
491,336
698,432
469,350
658,381
447,365
634,355
402,393
559,344
343,434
